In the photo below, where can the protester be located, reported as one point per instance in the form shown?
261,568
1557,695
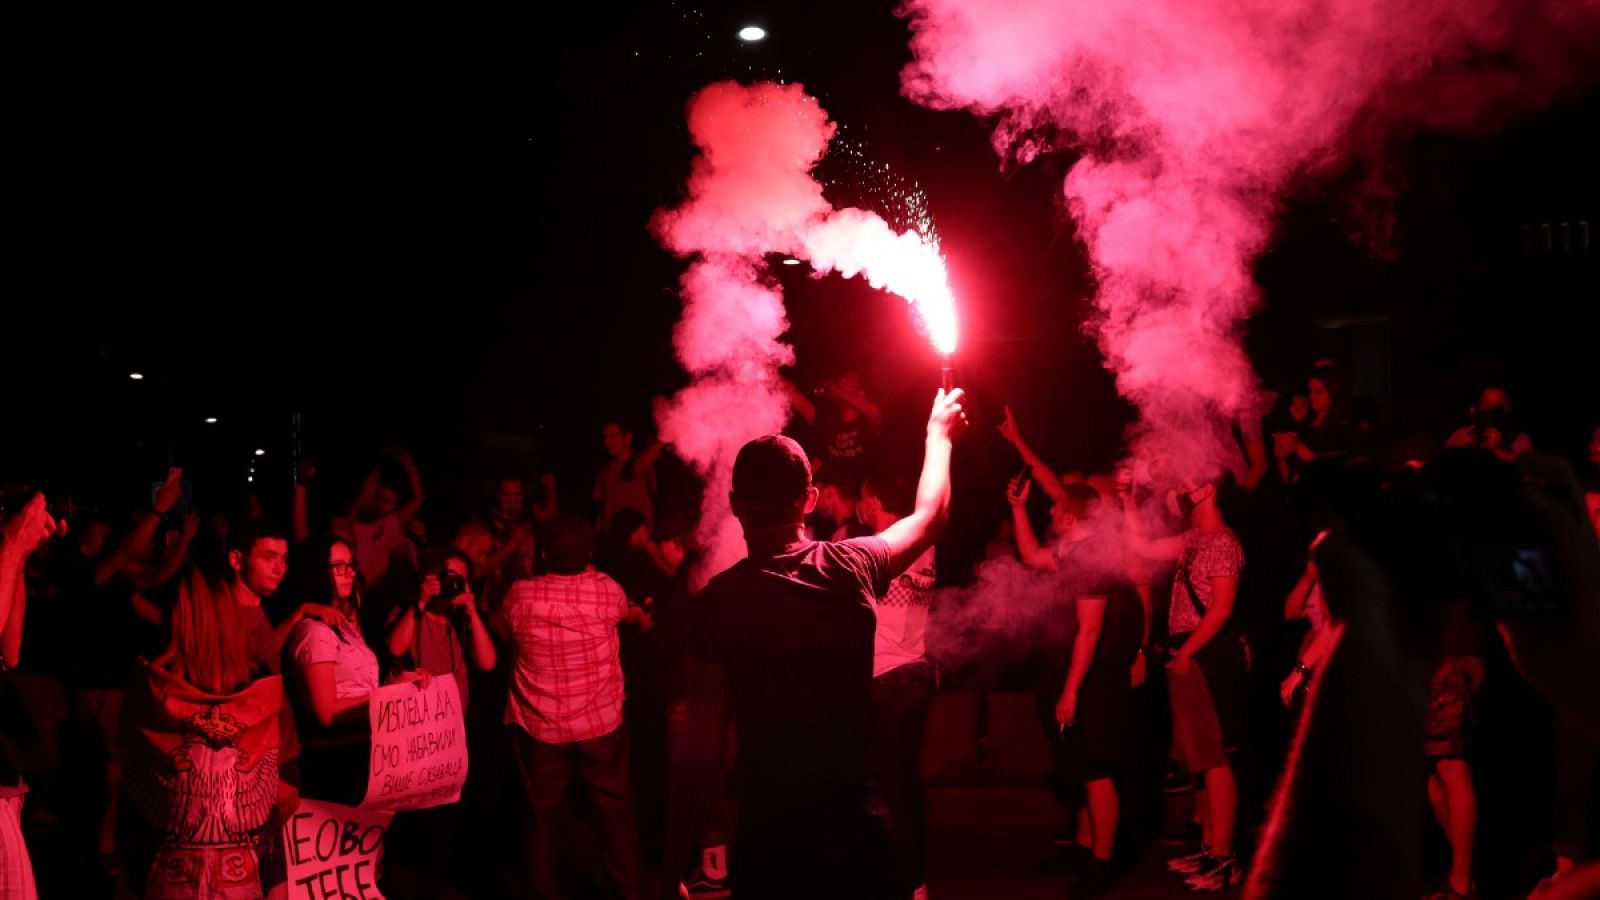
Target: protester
1206,671
331,674
566,703
1092,709
22,533
201,743
627,479
785,639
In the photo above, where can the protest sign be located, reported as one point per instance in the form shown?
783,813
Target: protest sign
334,851
419,746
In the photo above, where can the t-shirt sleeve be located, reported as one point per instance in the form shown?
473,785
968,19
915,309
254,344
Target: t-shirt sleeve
618,598
312,642
868,559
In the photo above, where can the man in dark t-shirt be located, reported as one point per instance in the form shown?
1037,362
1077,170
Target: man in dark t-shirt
784,638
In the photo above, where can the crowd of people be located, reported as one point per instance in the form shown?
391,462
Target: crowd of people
190,676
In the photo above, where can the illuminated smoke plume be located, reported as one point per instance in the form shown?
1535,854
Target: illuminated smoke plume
1193,117
751,193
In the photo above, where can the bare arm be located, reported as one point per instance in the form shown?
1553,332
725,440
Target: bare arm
319,611
317,693
1294,606
1042,473
519,535
480,646
1141,662
1223,589
301,521
22,534
401,631
549,505
144,610
910,536
1164,549
1033,556
11,634
862,403
646,458
804,406
172,560
367,494
1091,613
119,559
1255,450
412,506
13,598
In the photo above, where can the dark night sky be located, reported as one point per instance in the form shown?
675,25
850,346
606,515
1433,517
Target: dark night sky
419,225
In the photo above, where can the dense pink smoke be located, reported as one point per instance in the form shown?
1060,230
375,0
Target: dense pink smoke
1193,117
751,193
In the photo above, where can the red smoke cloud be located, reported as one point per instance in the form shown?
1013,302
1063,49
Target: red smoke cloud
1193,116
751,193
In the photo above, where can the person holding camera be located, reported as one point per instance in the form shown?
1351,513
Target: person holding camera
1492,427
442,632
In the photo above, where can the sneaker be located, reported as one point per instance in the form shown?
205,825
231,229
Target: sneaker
1224,873
1194,862
703,887
1098,879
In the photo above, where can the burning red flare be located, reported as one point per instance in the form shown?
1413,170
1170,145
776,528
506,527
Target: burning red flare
752,193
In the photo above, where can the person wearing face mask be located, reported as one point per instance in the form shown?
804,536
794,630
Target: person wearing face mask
1206,673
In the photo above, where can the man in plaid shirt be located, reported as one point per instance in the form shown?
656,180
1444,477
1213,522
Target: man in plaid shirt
566,701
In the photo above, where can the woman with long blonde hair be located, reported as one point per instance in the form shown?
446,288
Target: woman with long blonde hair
201,743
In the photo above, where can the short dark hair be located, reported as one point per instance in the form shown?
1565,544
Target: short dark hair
896,494
570,546
433,561
245,533
625,522
771,475
1080,497
843,482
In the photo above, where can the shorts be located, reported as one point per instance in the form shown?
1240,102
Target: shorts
1207,704
1455,682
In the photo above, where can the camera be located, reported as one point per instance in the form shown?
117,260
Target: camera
451,585
1495,418
1452,530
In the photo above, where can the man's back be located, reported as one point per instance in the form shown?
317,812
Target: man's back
794,633
566,680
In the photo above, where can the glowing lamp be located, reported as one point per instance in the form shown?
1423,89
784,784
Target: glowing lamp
750,34
136,376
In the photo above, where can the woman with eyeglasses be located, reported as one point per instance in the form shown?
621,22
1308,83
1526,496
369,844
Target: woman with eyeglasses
331,672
